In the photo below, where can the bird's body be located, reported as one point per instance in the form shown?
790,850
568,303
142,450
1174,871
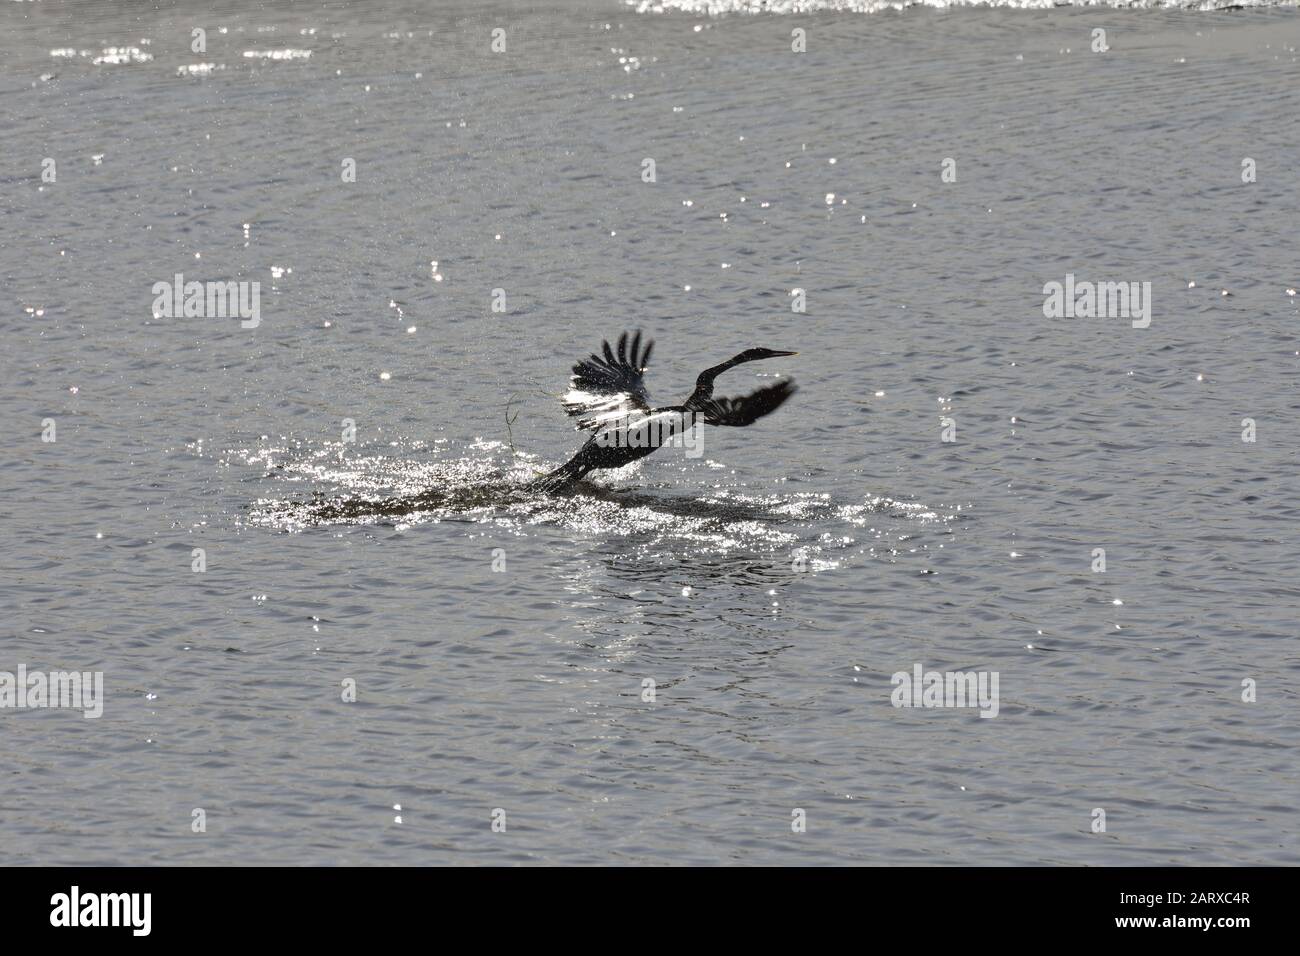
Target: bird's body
607,396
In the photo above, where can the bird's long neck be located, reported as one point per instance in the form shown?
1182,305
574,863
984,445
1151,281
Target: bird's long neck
704,383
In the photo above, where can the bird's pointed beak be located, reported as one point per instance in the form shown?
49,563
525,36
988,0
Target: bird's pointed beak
787,353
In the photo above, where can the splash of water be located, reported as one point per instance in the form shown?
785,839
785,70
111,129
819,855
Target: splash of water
492,485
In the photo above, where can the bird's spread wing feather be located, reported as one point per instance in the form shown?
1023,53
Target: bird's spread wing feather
746,409
607,388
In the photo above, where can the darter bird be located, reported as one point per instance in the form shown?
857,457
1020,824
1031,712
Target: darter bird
607,396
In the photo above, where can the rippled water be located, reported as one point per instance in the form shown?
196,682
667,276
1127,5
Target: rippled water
500,640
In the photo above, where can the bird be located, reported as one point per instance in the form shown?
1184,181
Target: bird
607,397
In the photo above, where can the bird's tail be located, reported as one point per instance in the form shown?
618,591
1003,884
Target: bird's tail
561,477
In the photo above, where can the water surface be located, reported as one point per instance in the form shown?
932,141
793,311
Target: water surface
771,586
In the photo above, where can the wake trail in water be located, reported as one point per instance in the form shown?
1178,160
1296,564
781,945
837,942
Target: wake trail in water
494,486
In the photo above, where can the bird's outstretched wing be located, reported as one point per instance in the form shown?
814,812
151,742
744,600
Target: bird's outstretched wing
746,409
611,387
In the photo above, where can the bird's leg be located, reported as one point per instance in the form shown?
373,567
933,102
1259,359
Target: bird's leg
571,471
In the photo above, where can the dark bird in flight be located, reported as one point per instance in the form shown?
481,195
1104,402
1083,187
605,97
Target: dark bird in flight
607,396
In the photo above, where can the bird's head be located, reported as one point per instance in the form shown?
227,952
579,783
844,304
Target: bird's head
753,355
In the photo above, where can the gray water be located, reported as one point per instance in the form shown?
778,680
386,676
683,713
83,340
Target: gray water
770,587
